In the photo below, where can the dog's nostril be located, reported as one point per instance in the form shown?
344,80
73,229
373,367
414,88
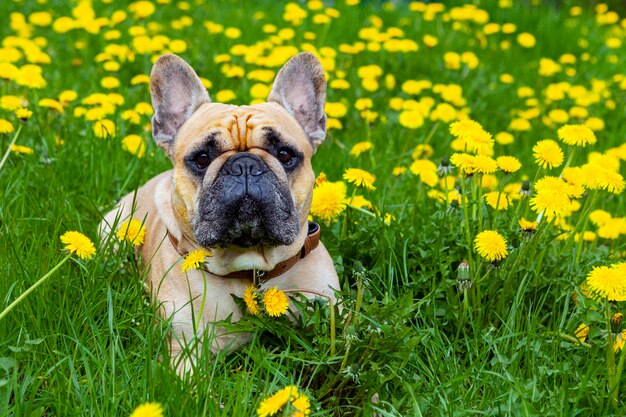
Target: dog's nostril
236,170
246,166
255,170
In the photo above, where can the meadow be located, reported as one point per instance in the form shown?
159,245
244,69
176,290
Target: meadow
470,192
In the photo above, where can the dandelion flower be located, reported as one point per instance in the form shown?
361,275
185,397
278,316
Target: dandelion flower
527,225
552,196
485,164
470,131
133,231
272,405
78,243
135,145
194,259
508,164
360,147
275,302
302,406
491,245
608,281
328,200
148,410
22,149
6,126
600,217
360,178
23,114
426,170
581,332
577,135
249,297
620,338
548,154
463,161
496,200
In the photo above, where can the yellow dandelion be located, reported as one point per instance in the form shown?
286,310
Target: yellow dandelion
577,135
328,200
620,338
358,201
133,231
148,410
508,164
426,170
249,297
463,161
491,245
78,243
485,164
548,154
527,225
496,200
302,406
22,149
581,332
397,171
360,148
104,128
475,137
23,114
272,405
276,302
321,178
552,196
194,259
608,281
135,145
600,217
360,178
6,126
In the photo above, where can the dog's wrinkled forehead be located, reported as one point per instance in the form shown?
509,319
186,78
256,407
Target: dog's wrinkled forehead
240,128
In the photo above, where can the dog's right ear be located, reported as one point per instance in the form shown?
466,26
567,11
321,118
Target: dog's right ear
177,92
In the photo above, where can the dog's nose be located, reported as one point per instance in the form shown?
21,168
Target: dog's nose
245,164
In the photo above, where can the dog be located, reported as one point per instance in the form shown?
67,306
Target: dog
241,187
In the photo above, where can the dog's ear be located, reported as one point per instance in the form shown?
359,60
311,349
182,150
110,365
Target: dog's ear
176,92
300,87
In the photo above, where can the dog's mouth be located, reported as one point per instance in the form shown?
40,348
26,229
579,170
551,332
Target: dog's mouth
246,206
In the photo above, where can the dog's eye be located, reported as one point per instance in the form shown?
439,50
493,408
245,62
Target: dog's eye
285,156
202,160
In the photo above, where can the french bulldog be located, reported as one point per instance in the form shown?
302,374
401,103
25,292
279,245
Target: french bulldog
240,187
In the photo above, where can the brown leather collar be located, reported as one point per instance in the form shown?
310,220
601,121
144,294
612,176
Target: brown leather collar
310,242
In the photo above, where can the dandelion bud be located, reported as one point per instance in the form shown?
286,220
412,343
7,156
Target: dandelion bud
353,372
444,167
525,190
463,277
616,322
454,205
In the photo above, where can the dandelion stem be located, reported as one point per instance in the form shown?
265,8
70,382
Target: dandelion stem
468,232
8,151
610,354
359,209
585,220
497,211
618,376
33,288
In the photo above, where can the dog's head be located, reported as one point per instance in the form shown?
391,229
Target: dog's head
242,174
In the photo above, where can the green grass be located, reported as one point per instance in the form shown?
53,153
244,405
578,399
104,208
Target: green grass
89,342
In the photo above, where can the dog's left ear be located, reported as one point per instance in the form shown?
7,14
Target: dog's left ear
300,87
177,92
